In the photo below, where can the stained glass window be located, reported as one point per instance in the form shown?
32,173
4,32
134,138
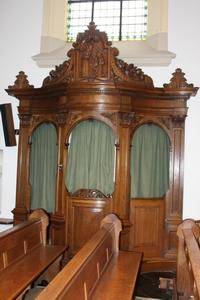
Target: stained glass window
122,20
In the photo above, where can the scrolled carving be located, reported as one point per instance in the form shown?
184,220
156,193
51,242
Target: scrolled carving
178,81
61,118
129,72
178,121
88,193
62,73
21,82
126,118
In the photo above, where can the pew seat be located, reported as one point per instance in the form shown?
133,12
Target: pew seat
99,270
25,255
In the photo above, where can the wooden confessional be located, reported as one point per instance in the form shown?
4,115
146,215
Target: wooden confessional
95,84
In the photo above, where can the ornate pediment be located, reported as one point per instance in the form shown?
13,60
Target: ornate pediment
92,59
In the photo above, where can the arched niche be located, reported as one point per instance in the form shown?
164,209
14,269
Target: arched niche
150,162
150,182
91,158
43,167
89,178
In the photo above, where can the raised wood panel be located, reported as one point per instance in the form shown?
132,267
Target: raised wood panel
147,230
84,221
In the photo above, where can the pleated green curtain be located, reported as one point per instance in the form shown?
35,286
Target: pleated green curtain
150,155
91,157
43,165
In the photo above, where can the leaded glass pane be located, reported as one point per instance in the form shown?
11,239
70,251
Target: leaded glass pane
120,19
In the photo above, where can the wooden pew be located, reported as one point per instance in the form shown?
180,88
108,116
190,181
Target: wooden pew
99,270
188,261
25,255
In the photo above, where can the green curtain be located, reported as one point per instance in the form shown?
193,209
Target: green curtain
91,157
149,162
43,166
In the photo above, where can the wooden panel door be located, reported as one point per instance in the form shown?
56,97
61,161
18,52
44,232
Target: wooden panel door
147,230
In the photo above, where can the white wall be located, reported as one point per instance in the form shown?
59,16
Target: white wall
20,23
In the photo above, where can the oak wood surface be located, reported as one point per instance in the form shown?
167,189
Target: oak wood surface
120,277
97,271
18,276
25,255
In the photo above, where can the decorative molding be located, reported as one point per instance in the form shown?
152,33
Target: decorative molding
178,81
21,82
88,193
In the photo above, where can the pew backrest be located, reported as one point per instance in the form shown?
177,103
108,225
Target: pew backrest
25,255
188,261
19,240
81,277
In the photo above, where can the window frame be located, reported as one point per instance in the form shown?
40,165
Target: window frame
150,52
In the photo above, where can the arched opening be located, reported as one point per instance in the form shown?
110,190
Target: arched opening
150,156
43,167
91,157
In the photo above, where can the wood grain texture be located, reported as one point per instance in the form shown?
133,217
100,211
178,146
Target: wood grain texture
97,271
25,255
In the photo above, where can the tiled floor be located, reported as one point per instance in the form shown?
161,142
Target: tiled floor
155,285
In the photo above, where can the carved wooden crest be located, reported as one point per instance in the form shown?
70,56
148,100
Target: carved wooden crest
178,81
21,82
92,59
